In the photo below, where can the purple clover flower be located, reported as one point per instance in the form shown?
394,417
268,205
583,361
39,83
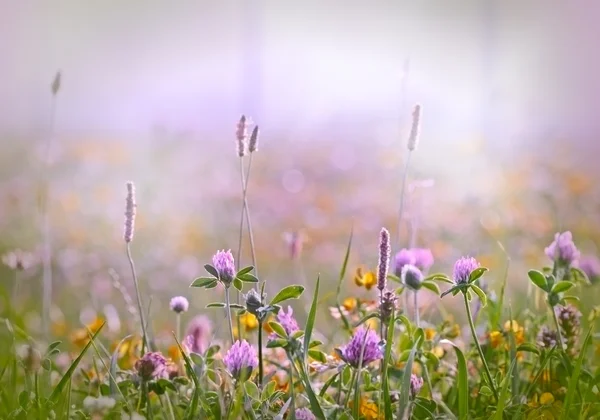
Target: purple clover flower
463,268
152,365
225,265
403,257
198,334
412,277
241,359
416,383
591,267
179,304
304,414
287,320
563,250
352,351
384,258
423,258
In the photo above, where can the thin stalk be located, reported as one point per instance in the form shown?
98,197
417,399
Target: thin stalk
145,341
148,403
352,378
37,394
381,315
240,238
292,393
15,294
560,337
260,354
416,302
402,194
228,313
247,212
169,405
479,350
178,322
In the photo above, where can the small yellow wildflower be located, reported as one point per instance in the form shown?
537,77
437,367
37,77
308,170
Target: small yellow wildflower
81,336
496,339
349,304
249,321
367,409
365,279
546,398
429,334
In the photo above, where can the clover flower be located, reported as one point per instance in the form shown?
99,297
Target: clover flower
403,257
569,320
416,383
198,334
547,338
225,265
372,351
412,277
253,301
563,250
423,258
152,365
463,269
241,359
179,304
304,414
287,321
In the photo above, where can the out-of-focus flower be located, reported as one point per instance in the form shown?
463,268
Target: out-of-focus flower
198,334
372,350
518,331
295,241
430,333
241,134
423,258
253,301
81,336
304,414
412,277
413,139
241,359
130,207
249,321
152,365
590,265
547,338
365,279
98,407
179,304
463,269
563,250
128,352
403,257
416,383
569,320
384,258
225,265
18,260
496,339
31,357
287,320
367,409
253,142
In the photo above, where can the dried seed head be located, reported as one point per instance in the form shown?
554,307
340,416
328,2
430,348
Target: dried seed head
56,83
241,135
387,306
384,258
413,140
130,207
253,143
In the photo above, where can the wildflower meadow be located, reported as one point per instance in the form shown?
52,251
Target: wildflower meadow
385,337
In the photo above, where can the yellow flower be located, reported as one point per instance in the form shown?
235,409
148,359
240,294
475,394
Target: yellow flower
518,330
367,280
429,334
174,352
349,304
81,336
367,409
438,351
546,398
496,339
249,321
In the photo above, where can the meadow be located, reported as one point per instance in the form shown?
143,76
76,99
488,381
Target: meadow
389,297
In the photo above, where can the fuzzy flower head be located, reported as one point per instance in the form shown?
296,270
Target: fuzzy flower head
241,134
384,258
198,334
253,142
569,320
403,257
591,267
547,338
304,414
152,365
563,250
413,139
463,269
179,304
423,258
387,306
225,265
372,351
412,277
241,359
416,383
130,207
18,260
287,320
253,301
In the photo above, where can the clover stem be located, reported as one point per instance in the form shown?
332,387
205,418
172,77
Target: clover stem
228,313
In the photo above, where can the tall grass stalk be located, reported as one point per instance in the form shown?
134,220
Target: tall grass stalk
228,314
146,341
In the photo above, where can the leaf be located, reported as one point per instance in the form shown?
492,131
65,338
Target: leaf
405,387
237,306
52,346
430,285
438,277
278,342
318,356
113,368
248,278
452,290
244,270
572,388
327,384
538,279
341,279
212,350
202,281
278,329
310,321
67,376
579,276
216,305
289,292
212,285
394,277
404,320
561,286
463,384
24,399
504,396
480,293
477,273
252,390
212,271
196,394
237,283
485,390
366,318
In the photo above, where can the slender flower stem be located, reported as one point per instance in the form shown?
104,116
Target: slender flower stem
416,302
178,318
381,315
228,313
292,393
479,350
401,212
260,354
560,337
145,342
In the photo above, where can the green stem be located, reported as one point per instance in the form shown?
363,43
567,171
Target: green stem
247,212
260,354
416,302
352,378
145,341
178,318
479,350
558,331
292,393
402,194
228,313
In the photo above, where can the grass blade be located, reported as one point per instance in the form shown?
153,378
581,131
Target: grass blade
114,389
310,322
503,398
575,377
67,376
190,368
405,389
341,279
387,400
463,384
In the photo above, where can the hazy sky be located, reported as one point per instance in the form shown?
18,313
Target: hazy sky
514,66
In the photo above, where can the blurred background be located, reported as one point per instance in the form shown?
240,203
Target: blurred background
151,92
